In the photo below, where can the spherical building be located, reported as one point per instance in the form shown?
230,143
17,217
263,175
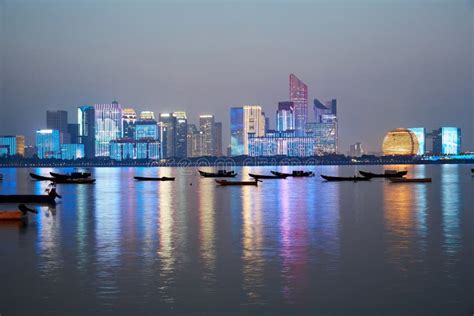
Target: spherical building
400,142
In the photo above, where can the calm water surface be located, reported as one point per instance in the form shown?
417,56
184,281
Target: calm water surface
295,246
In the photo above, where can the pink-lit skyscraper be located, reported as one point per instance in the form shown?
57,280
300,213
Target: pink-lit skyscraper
299,96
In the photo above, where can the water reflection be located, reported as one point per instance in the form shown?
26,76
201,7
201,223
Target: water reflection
451,205
207,231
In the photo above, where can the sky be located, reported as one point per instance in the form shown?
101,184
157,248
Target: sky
388,63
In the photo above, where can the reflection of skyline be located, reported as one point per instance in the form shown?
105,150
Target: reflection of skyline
207,231
451,205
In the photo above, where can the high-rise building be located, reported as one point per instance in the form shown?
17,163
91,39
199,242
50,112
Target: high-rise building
218,139
324,134
57,120
285,118
72,151
48,144
126,148
421,136
245,120
447,141
73,131
129,118
181,134
206,127
147,115
167,135
108,127
20,145
356,150
321,109
192,130
146,129
8,145
299,96
86,122
282,143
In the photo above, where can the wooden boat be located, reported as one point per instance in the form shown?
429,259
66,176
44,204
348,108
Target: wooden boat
295,173
262,176
41,178
21,215
472,170
386,174
354,178
226,182
410,180
218,174
154,179
73,181
72,175
49,198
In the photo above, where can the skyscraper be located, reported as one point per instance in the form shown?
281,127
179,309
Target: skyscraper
73,131
108,127
167,135
285,119
181,134
420,135
8,145
245,120
48,144
146,129
129,118
218,139
447,141
206,127
299,96
147,115
57,120
86,121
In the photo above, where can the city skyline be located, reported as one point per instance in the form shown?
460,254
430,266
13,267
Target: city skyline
392,69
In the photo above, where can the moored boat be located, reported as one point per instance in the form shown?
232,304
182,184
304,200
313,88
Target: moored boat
264,176
218,174
295,173
154,179
20,215
49,198
73,181
353,178
226,182
386,174
40,178
410,180
72,175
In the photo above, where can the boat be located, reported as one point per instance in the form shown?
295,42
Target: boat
226,182
263,176
410,180
62,180
386,174
20,215
472,170
353,178
154,179
218,174
49,198
41,178
72,175
295,173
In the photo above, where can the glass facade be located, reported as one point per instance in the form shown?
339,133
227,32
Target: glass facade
420,136
167,135
129,118
72,151
146,129
451,140
134,149
324,135
108,127
8,146
237,131
48,144
206,127
285,119
283,143
181,134
86,121
299,96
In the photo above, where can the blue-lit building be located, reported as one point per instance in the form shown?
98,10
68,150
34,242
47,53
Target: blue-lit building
447,141
108,127
285,118
86,133
421,137
134,149
48,144
237,131
281,143
72,151
325,135
7,146
146,129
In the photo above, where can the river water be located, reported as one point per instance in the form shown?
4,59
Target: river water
299,246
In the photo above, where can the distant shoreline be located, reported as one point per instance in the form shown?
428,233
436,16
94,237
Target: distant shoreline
222,162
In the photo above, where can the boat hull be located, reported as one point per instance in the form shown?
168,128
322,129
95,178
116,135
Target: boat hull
261,176
354,179
294,174
74,175
153,179
239,183
217,175
39,199
405,180
383,175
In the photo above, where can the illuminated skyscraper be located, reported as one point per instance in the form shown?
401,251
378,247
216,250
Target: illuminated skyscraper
48,144
126,148
167,135
72,151
206,127
245,120
447,141
285,118
218,139
8,145
146,129
420,136
108,127
86,121
299,96
147,115
129,118
58,120
181,134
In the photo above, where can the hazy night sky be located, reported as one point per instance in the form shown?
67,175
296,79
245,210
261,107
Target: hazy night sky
389,63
